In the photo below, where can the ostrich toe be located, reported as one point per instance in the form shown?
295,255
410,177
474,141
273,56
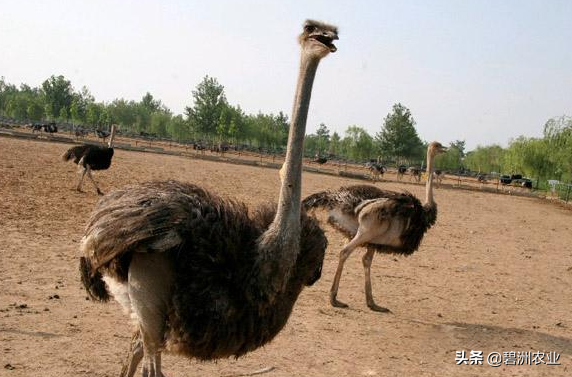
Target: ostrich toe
335,303
377,308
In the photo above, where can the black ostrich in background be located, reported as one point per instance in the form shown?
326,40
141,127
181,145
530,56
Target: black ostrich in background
319,159
91,157
203,276
380,220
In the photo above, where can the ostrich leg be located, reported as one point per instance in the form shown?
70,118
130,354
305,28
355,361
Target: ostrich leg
366,260
88,170
135,356
82,171
82,174
149,284
344,255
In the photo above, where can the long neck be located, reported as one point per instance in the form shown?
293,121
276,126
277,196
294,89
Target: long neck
110,144
288,213
279,245
429,185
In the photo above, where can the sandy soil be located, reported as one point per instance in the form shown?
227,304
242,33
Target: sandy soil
494,274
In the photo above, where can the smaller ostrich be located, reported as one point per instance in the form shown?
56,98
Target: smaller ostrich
380,220
415,174
80,132
376,170
91,157
319,160
438,174
36,127
50,128
102,134
401,170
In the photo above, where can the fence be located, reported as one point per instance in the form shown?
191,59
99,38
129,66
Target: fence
562,191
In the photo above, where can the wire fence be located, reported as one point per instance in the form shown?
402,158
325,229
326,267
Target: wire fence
562,191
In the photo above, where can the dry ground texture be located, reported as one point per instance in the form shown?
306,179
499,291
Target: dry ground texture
494,274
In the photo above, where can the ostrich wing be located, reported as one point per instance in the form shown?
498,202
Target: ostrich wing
347,198
156,217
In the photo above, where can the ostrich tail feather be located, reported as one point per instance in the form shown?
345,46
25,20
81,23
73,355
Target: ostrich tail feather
92,281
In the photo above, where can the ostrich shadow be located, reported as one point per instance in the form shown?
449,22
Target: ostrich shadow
498,337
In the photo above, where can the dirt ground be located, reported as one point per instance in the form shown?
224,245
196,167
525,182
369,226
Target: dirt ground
493,275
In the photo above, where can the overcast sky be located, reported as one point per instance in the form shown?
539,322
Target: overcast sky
482,71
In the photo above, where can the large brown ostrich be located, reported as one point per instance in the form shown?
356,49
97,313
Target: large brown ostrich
91,157
380,220
201,275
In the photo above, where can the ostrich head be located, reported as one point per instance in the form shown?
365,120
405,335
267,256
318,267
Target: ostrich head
435,148
312,250
317,38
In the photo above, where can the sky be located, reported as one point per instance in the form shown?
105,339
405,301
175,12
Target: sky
476,70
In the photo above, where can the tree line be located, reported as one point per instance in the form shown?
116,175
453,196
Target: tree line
210,118
540,158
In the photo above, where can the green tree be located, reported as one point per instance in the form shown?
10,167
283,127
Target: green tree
398,138
125,113
150,103
558,134
178,128
93,114
35,110
335,144
159,123
450,160
485,159
208,102
63,116
323,136
460,146
358,144
58,94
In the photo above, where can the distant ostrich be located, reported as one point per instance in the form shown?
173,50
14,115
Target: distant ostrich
384,221
50,128
376,170
319,160
80,132
91,157
201,275
37,127
438,176
102,134
401,170
415,174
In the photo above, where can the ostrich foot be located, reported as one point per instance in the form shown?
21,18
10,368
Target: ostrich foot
335,303
376,308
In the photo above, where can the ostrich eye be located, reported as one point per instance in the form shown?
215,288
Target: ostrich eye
309,28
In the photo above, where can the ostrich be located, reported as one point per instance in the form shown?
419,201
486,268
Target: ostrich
415,174
201,275
384,221
319,160
50,128
376,170
91,157
401,170
438,176
80,132
36,127
102,134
